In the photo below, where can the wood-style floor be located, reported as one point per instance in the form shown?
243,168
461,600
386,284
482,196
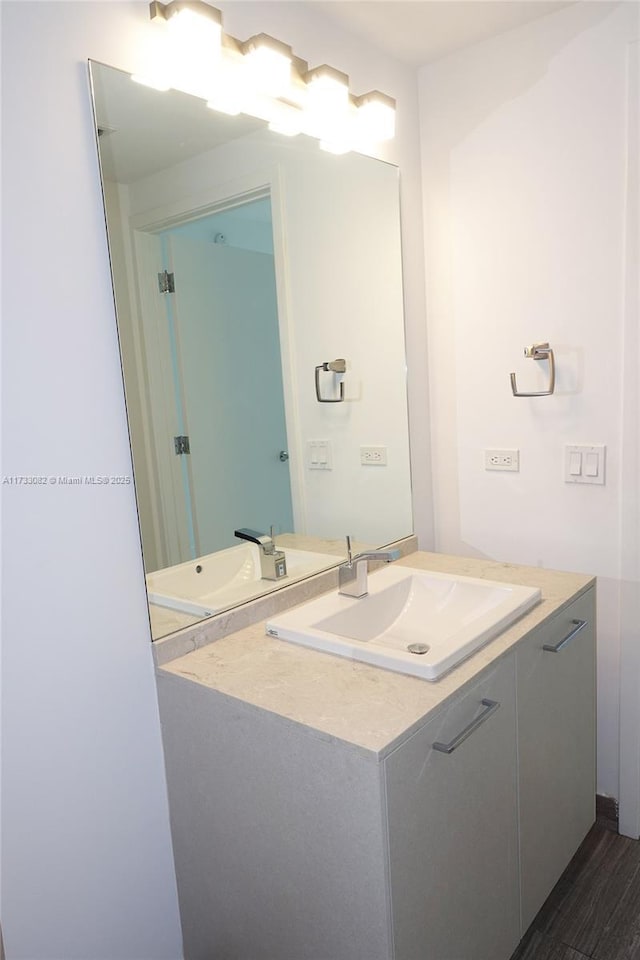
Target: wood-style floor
594,909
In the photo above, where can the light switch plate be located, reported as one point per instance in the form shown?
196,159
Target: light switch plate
319,455
584,462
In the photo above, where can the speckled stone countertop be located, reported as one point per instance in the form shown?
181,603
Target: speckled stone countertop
368,707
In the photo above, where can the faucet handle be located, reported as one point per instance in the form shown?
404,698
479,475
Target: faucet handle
349,553
387,555
261,539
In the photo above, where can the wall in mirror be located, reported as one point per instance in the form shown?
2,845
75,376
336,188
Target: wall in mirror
244,264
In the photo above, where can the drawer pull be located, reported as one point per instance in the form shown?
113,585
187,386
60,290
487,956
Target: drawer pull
556,647
490,707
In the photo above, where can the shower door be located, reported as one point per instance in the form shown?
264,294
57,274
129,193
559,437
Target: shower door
228,390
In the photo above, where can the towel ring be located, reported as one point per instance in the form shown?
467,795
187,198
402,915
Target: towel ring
538,351
331,366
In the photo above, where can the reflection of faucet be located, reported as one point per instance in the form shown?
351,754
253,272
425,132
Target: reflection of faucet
273,564
352,575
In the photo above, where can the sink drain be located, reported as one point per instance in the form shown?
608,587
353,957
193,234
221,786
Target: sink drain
418,648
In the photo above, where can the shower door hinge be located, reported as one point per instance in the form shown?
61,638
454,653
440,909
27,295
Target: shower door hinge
166,282
181,445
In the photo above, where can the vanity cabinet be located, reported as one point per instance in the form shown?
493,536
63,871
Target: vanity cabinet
453,832
292,844
556,747
278,834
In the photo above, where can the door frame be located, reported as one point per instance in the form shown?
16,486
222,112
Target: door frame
629,597
167,494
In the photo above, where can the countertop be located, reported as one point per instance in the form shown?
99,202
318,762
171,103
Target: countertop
368,707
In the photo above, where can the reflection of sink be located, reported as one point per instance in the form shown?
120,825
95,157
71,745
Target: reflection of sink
202,587
443,617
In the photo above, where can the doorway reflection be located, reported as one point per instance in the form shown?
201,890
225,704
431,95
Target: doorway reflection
226,376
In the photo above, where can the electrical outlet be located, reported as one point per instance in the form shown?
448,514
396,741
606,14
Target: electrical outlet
373,456
502,460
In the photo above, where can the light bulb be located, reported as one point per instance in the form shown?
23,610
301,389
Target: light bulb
267,65
153,59
375,117
327,108
327,93
195,34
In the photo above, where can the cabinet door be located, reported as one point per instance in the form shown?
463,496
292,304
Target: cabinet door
452,820
556,743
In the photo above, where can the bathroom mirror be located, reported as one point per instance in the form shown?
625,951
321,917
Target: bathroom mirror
258,291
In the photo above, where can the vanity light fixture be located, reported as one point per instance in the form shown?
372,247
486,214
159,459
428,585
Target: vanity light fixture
193,43
376,116
230,94
327,90
268,63
286,119
262,77
188,8
189,16
328,108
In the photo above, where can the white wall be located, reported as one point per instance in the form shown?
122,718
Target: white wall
87,864
525,146
87,867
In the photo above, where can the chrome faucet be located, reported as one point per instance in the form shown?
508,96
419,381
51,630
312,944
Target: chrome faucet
352,575
273,563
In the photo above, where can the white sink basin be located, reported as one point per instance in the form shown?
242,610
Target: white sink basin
442,618
208,584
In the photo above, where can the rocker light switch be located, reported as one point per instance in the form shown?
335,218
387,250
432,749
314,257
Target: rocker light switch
575,464
592,465
584,463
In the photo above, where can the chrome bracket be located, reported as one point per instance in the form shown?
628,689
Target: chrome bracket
181,445
166,282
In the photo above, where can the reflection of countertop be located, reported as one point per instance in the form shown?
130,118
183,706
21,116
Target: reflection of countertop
368,707
165,621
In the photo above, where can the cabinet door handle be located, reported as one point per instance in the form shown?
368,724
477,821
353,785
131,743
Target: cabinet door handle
490,707
556,647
